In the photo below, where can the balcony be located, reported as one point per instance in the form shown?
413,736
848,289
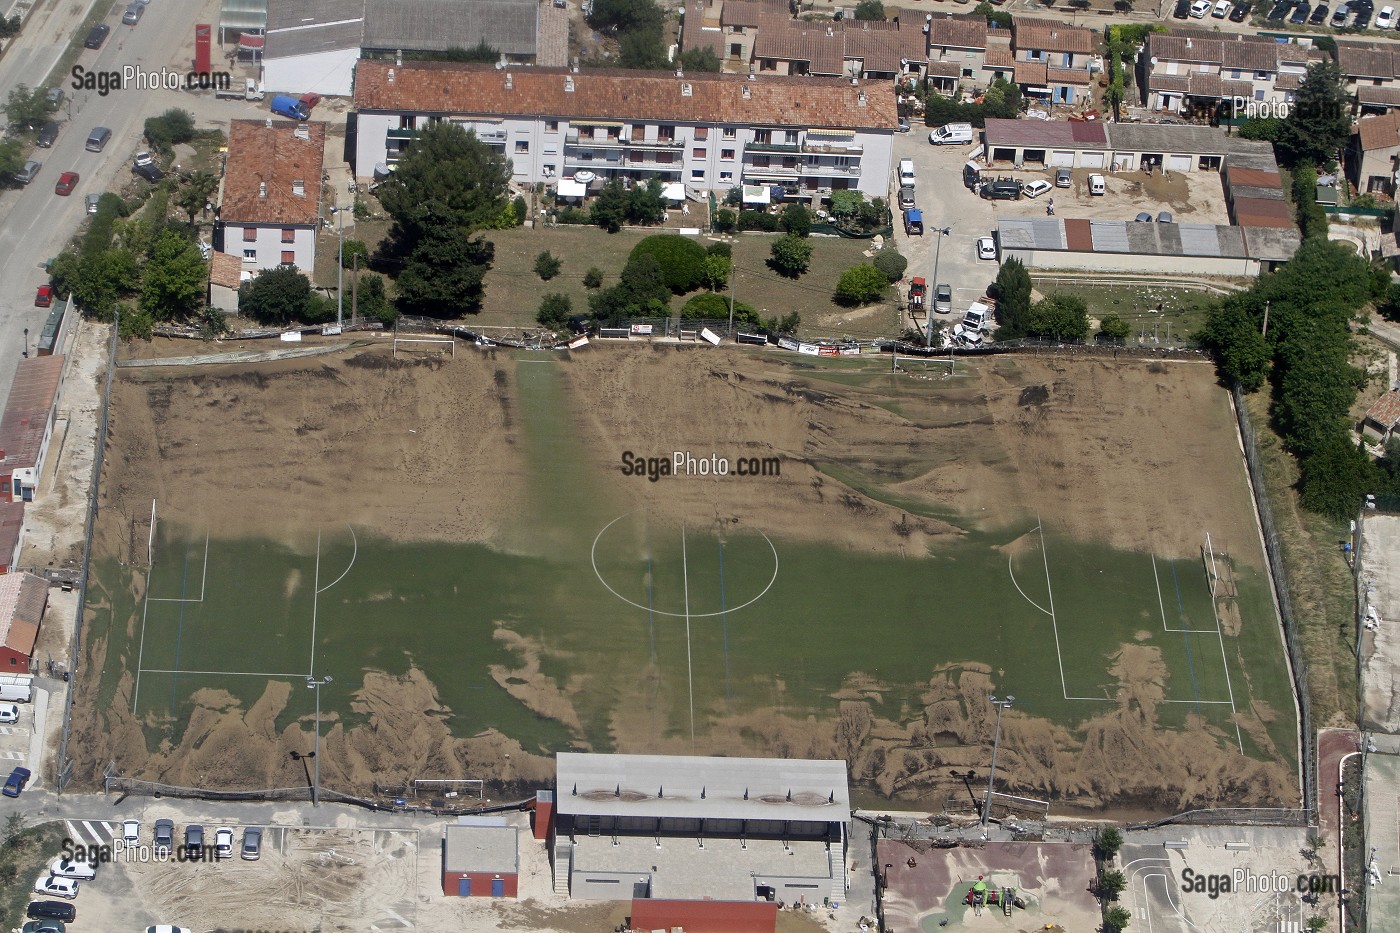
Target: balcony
574,139
819,170
773,171
772,147
834,148
400,134
491,136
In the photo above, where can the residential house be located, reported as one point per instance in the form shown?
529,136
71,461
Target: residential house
225,276
23,599
1371,73
957,50
1186,70
739,21
271,201
858,49
1372,156
1053,60
1380,421
700,29
804,136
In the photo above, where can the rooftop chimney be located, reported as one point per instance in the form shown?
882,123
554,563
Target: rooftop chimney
262,189
299,187
302,132
510,81
398,60
569,83
391,76
861,100
685,89
747,94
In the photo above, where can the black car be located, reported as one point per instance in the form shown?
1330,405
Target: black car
1183,9
1300,15
48,135
1340,16
1279,11
97,36
52,910
1319,14
1239,12
148,172
1363,19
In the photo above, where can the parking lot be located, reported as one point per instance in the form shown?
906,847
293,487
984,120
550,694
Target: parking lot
1194,197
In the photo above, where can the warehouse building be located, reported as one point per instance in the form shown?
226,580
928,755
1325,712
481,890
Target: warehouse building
480,857
1127,246
684,828
1119,147
27,426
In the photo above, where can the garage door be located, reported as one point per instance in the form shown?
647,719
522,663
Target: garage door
1091,160
1062,157
1179,163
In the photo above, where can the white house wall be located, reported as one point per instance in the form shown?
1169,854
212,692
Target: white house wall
267,247
330,74
1133,262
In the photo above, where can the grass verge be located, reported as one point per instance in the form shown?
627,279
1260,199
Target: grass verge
1182,316
22,858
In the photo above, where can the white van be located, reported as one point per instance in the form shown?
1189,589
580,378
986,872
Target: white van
1096,184
16,688
951,133
1222,8
906,172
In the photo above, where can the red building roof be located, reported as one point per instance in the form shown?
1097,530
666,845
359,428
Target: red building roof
32,397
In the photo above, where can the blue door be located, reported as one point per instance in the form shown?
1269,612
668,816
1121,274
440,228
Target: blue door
464,887
498,887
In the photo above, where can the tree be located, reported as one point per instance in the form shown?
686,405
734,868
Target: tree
787,324
1233,335
593,278
641,291
1107,842
796,218
1113,327
14,828
725,219
547,265
1265,129
11,157
645,205
1319,122
699,60
196,192
275,296
890,262
609,209
372,302
175,280
861,285
614,16
717,269
1013,293
169,129
791,255
443,277
1111,884
9,28
28,108
642,49
870,10
555,311
350,250
681,260
1116,919
1062,317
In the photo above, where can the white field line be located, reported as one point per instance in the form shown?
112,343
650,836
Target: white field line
689,671
1021,591
315,599
1163,609
1055,623
203,579
223,673
1225,661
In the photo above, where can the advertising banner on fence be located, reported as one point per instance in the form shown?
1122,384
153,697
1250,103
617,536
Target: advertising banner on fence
578,342
828,351
810,349
709,336
851,351
788,343
641,330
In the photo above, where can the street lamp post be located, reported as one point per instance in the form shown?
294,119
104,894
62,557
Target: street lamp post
996,742
314,684
339,213
931,306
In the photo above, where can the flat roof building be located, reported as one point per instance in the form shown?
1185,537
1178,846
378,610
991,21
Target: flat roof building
480,858
27,425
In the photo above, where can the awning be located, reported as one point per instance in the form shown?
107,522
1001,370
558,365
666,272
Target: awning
674,191
568,188
249,41
1034,91
573,123
757,194
835,136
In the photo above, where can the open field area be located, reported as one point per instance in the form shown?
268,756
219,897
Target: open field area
1182,314
460,546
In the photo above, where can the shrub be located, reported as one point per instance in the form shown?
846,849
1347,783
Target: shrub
547,265
796,218
573,215
1113,327
791,255
891,263
682,260
519,209
758,220
555,310
593,278
861,285
725,221
706,306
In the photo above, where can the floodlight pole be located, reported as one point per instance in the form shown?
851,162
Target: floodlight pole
930,306
314,684
996,743
339,213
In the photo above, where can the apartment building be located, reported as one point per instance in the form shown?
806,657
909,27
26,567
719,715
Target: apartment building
269,209
1371,72
1181,71
710,132
1053,61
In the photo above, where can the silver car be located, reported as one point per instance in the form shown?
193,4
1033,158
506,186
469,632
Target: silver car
252,844
27,174
906,198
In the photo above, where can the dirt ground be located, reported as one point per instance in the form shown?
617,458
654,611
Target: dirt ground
1084,443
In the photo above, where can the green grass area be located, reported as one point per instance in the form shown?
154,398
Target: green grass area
1182,316
22,860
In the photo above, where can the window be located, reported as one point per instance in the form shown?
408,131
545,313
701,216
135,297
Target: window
702,133
728,132
665,134
4,485
250,255
697,153
665,158
1067,60
1261,76
791,138
522,145
760,161
289,235
289,258
1259,94
609,881
551,126
761,137
250,235
1035,55
726,176
697,174
727,154
1235,73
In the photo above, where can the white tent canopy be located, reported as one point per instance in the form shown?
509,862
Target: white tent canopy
568,188
757,194
674,191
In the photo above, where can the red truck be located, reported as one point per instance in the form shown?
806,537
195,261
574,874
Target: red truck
918,292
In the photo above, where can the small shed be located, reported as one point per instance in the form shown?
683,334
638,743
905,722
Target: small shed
225,276
480,858
1380,420
23,599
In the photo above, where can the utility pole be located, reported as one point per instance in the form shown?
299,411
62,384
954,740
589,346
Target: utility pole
931,306
1265,331
314,684
996,743
355,291
339,213
733,274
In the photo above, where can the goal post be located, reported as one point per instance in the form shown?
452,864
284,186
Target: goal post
412,343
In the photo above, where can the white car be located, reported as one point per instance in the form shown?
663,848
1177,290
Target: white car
986,248
56,887
223,842
78,871
1201,9
1034,189
131,832
143,158
1385,19
9,712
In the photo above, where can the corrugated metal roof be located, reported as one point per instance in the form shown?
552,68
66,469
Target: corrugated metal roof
1169,236
1109,236
1142,239
24,425
1199,239
1231,243
1016,233
687,786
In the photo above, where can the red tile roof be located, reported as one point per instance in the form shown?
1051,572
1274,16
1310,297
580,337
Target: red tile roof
999,58
1045,133
11,530
1378,96
747,13
959,32
265,163
1033,73
1050,36
1079,235
442,87
23,597
1386,410
1258,178
1365,60
1381,132
1078,76
1262,212
820,45
32,397
226,269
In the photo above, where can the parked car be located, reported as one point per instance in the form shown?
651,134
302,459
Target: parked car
1097,185
906,198
1280,10
1319,15
252,844
943,299
223,842
1200,9
1340,16
194,838
151,172
9,712
51,910
1034,189
1240,13
986,248
56,887
1362,20
133,12
43,298
91,201
1222,8
78,871
27,174
97,139
1385,19
1165,217
1300,14
1143,217
54,97
48,135
44,926
96,36
15,784
131,832
167,928
1062,178
142,158
66,183
164,835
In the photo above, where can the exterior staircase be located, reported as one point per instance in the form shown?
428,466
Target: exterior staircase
563,865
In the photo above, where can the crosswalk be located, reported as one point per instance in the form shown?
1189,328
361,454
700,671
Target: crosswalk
11,756
92,832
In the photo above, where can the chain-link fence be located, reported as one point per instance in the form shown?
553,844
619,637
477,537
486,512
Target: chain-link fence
1232,816
1279,576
